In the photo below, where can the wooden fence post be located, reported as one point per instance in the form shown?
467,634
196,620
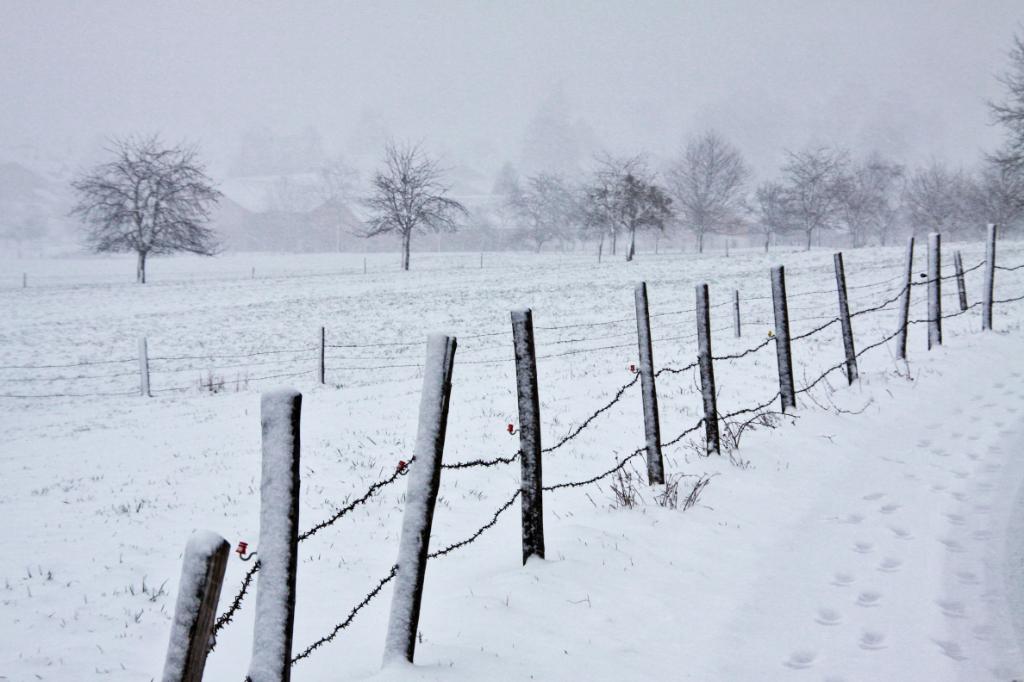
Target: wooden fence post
990,277
279,537
364,265
202,575
24,280
844,319
707,371
787,391
652,422
901,337
961,288
143,368
421,496
934,290
600,248
323,355
531,495
736,312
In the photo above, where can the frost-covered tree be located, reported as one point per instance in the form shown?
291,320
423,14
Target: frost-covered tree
150,199
707,185
813,181
623,197
408,196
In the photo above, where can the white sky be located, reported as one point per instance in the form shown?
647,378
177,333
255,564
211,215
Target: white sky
907,77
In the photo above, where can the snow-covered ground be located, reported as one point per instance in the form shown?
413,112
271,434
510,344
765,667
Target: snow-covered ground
868,536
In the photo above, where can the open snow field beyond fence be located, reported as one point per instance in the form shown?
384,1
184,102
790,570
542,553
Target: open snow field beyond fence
586,343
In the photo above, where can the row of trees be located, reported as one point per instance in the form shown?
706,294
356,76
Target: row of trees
151,199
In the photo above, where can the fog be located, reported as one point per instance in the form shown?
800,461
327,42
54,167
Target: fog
467,78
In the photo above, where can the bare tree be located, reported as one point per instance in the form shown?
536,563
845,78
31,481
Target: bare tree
937,199
870,199
408,196
150,199
707,184
998,197
771,210
813,180
545,209
1010,112
623,197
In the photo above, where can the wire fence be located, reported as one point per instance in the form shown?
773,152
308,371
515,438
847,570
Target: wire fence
886,298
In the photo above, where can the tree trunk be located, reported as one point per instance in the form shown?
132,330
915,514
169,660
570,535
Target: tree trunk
767,239
615,240
140,268
810,235
700,242
406,239
632,245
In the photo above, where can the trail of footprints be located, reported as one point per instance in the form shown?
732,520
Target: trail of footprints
950,481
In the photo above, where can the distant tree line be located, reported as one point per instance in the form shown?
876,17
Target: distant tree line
152,199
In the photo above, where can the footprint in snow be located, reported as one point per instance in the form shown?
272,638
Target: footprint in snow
958,495
874,496
982,632
901,533
890,508
967,577
951,649
863,547
956,519
940,452
973,456
843,579
956,436
992,467
889,565
869,599
982,508
984,485
803,658
973,437
960,474
982,535
952,545
872,641
923,443
938,487
828,616
952,608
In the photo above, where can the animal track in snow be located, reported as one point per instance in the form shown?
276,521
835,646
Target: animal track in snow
800,659
872,641
890,508
874,496
982,632
869,599
982,535
958,495
863,547
889,565
956,519
960,474
828,616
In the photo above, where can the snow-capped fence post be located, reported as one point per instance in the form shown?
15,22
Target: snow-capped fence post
707,371
990,277
143,368
787,391
652,423
908,281
279,537
961,288
421,495
934,290
202,575
736,312
323,355
531,493
844,319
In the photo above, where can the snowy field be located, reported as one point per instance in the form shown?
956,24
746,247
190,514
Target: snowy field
866,537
